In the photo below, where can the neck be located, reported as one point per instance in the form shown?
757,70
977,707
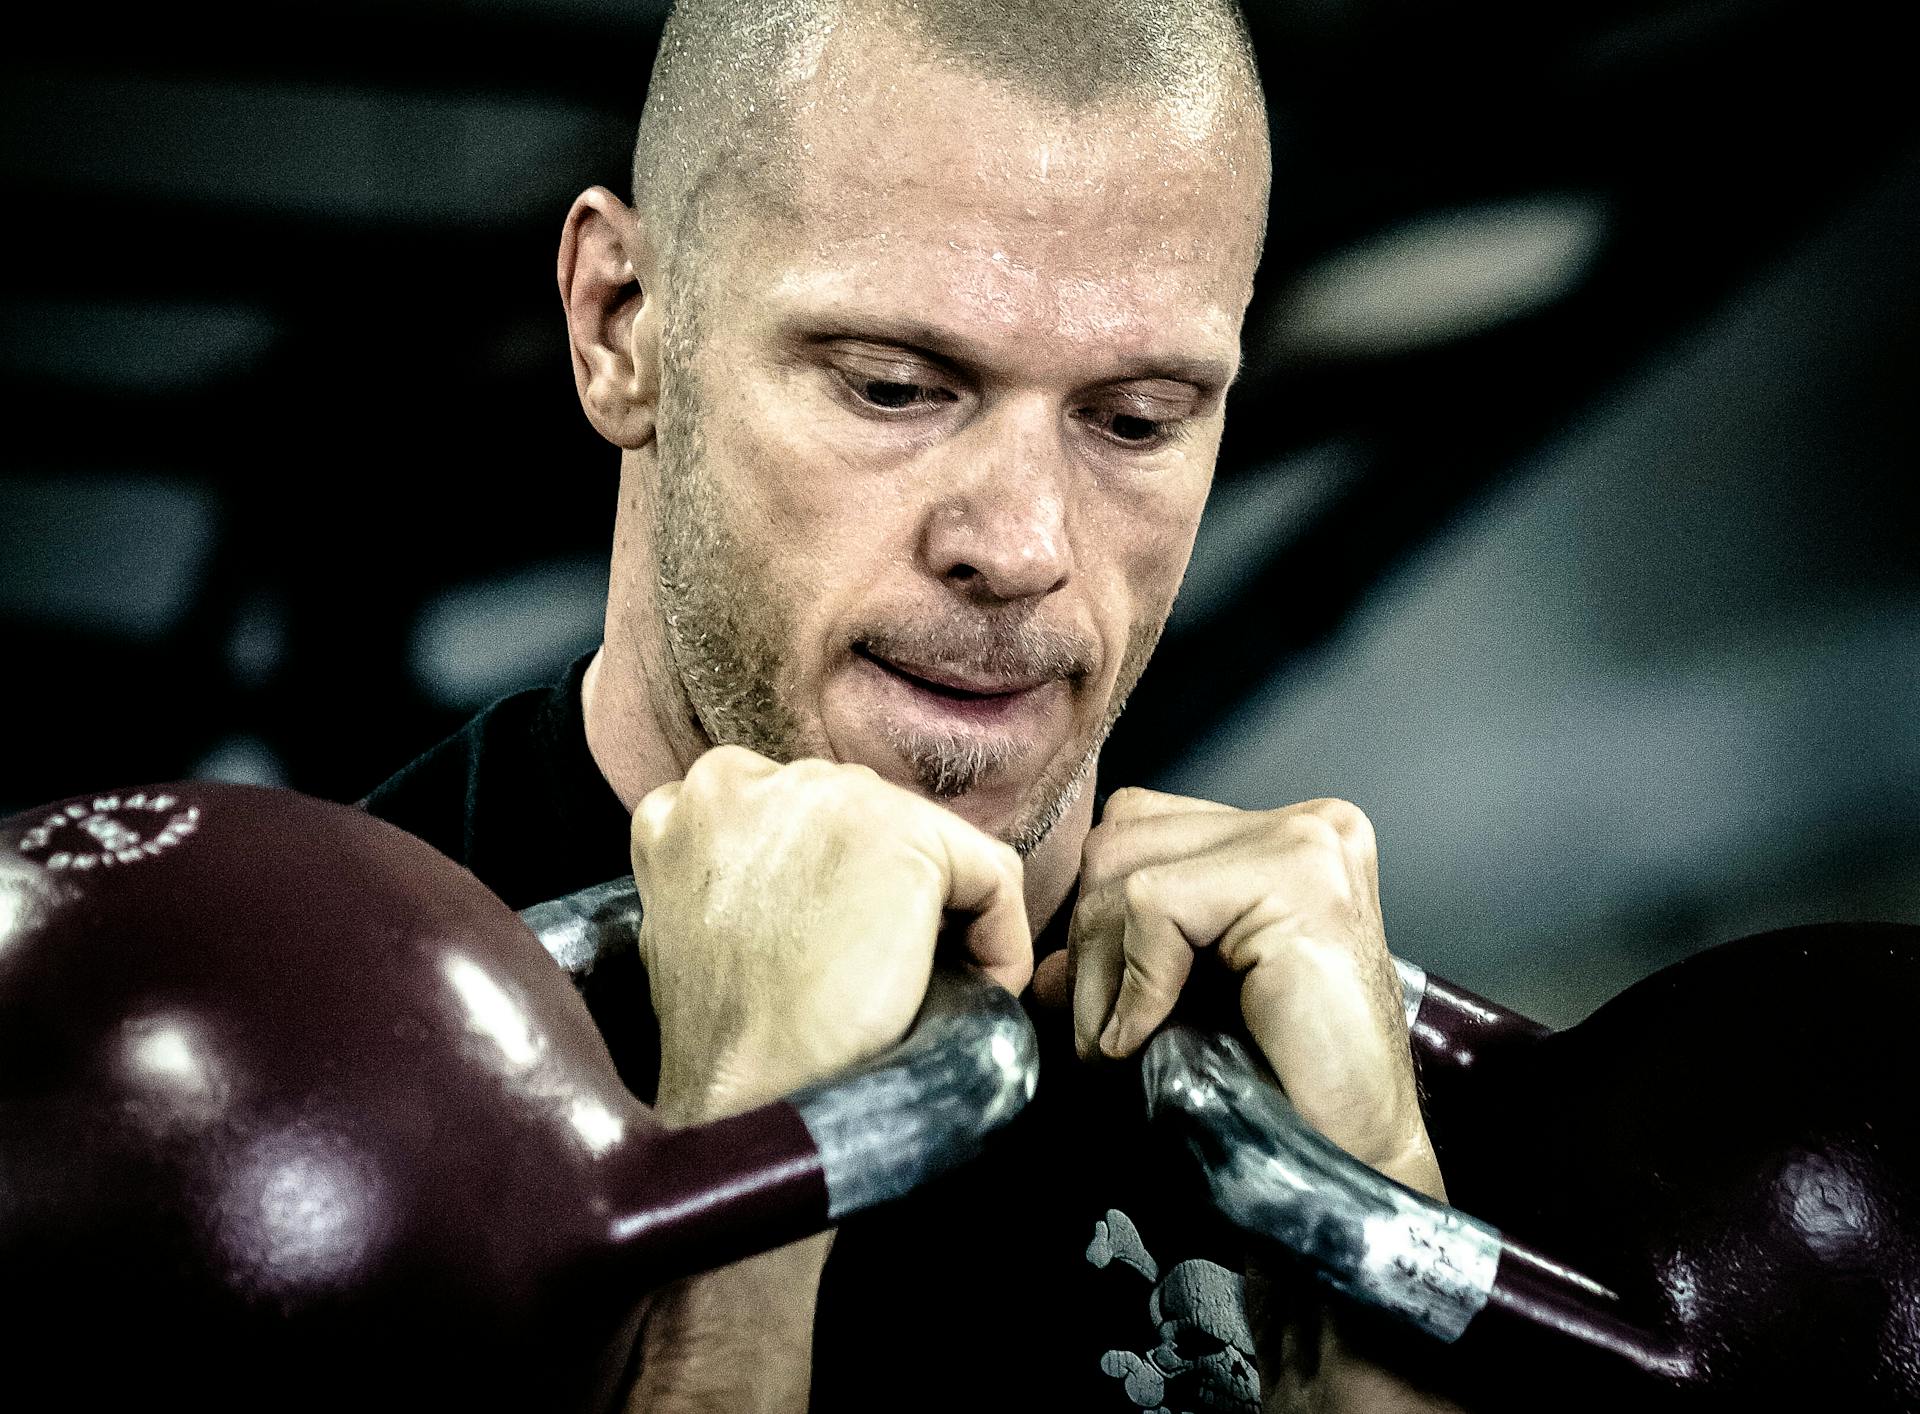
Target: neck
1054,868
630,742
641,734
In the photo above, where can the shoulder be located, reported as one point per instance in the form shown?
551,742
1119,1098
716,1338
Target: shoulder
433,795
515,796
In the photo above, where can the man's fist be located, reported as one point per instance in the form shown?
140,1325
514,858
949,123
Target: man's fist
789,921
1290,899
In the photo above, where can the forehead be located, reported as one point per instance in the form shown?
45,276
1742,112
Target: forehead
906,179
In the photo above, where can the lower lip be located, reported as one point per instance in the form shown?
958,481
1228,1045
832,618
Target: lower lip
948,709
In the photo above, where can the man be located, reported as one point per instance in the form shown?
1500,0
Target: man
915,345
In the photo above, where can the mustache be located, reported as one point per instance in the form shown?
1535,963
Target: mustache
984,644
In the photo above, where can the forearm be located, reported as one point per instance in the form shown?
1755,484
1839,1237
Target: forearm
740,1337
736,1339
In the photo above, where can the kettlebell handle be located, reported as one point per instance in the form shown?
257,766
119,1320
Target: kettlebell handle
967,1065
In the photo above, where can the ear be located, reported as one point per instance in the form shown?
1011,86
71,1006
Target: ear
608,287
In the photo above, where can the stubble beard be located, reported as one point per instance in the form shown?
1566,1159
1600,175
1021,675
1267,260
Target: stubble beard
724,624
722,628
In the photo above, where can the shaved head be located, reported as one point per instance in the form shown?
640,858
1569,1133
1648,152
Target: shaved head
917,341
732,74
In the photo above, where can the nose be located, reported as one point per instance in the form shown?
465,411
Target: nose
998,530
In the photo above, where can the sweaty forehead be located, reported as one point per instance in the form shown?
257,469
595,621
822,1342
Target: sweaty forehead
873,114
900,165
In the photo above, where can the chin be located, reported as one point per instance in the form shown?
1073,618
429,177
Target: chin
1027,818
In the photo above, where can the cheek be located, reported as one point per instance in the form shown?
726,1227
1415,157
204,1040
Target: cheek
813,531
1146,539
755,465
801,483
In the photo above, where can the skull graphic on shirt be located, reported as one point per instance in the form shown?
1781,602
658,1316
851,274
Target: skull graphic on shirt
1204,1359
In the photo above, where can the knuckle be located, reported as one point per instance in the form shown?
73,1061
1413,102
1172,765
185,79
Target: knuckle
653,815
1143,892
1095,856
729,758
1090,927
1349,822
810,769
1314,832
821,787
722,768
1128,802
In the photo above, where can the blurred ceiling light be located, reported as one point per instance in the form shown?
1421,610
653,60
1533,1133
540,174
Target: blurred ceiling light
1441,277
114,553
479,641
244,760
138,347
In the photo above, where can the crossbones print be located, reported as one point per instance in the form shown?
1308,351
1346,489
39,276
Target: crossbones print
1204,1361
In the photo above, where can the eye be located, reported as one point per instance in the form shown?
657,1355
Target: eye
1130,429
894,395
890,387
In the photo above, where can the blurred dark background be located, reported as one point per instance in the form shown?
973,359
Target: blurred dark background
1566,518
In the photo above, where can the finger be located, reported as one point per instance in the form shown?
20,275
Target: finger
986,880
1148,828
1226,891
1138,937
1053,979
1122,845
1156,960
1338,1048
1130,960
1094,941
1139,803
649,823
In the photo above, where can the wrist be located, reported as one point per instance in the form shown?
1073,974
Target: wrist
740,1076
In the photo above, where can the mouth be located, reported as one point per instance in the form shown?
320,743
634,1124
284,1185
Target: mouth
951,723
958,699
957,684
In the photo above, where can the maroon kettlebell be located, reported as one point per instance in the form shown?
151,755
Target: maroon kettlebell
294,1113
1703,1197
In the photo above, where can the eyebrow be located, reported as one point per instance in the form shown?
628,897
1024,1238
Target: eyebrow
949,350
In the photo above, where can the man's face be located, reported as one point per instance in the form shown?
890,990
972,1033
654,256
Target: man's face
933,453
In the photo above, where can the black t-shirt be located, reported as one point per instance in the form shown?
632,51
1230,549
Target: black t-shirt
1075,1266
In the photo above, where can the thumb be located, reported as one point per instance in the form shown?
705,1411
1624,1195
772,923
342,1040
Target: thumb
1053,980
984,881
